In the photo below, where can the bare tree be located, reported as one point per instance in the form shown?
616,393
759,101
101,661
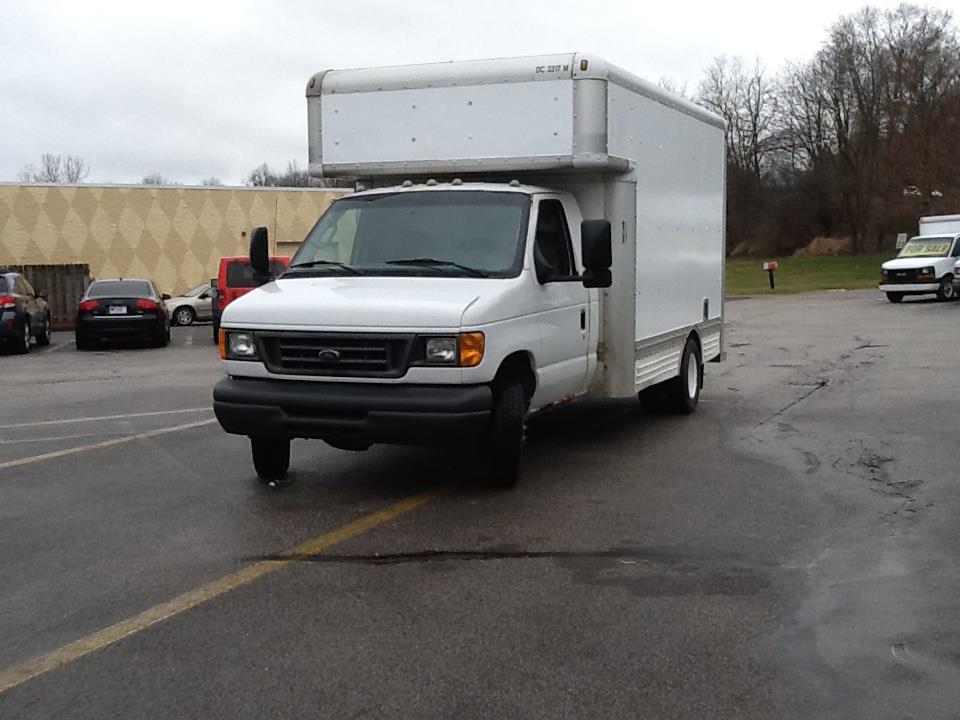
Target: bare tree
56,169
155,179
746,99
211,181
293,176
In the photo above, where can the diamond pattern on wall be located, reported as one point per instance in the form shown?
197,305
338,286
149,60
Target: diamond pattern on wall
174,236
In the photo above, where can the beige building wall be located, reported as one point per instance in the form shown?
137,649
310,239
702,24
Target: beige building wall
174,236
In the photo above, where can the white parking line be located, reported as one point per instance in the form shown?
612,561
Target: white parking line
106,443
60,438
41,423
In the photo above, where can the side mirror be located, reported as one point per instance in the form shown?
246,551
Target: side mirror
42,295
545,271
213,283
165,296
597,253
259,251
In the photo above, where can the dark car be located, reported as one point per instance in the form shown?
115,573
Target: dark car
23,312
122,309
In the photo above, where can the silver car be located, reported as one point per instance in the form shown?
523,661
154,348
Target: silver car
193,305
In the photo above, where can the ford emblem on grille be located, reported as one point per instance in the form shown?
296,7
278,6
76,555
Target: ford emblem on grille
328,355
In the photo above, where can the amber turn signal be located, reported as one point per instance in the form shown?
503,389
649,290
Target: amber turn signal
222,344
470,348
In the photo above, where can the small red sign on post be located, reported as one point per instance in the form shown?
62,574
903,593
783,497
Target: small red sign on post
770,266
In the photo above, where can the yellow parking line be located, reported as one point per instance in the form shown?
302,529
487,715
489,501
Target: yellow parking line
19,674
106,443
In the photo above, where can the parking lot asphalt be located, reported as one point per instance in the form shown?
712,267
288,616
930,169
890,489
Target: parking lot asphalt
789,551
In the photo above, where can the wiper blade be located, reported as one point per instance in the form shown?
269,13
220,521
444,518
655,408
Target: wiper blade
434,262
326,263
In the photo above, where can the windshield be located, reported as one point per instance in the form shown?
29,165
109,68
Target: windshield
199,289
456,232
929,247
119,288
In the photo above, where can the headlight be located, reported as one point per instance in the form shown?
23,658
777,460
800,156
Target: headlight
463,350
240,346
928,271
442,350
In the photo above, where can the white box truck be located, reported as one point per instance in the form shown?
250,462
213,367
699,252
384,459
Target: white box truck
925,265
527,231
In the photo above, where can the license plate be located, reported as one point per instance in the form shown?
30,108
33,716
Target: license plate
118,309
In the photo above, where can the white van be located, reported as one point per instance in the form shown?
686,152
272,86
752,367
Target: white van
926,264
528,231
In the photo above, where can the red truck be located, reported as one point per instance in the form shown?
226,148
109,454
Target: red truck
235,278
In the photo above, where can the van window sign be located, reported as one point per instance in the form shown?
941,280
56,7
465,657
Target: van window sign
925,248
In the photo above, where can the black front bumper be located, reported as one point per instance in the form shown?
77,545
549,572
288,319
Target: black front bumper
353,414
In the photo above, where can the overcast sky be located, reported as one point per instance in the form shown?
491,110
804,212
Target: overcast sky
193,89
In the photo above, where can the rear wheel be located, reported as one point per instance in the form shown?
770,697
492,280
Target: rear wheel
681,394
22,343
82,342
46,334
895,297
271,458
684,390
216,331
161,337
946,290
502,444
184,316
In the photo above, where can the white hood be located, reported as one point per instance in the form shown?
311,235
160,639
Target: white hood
915,263
358,302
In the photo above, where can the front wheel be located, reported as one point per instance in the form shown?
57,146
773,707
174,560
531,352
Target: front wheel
502,444
946,290
184,316
895,297
271,458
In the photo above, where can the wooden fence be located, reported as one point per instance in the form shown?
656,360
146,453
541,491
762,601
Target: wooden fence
64,284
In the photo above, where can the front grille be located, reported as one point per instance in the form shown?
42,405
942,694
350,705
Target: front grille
901,276
336,354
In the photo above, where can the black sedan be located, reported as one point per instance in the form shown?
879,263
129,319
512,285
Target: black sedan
122,309
24,313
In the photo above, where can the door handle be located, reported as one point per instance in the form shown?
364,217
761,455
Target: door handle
583,319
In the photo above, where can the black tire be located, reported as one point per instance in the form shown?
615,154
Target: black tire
44,338
502,444
271,458
161,338
653,399
183,315
946,291
82,343
22,343
216,331
895,297
683,391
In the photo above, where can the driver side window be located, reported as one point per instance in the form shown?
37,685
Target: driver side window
552,239
956,248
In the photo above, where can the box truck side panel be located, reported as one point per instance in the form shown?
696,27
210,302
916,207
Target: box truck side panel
679,232
940,225
440,125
